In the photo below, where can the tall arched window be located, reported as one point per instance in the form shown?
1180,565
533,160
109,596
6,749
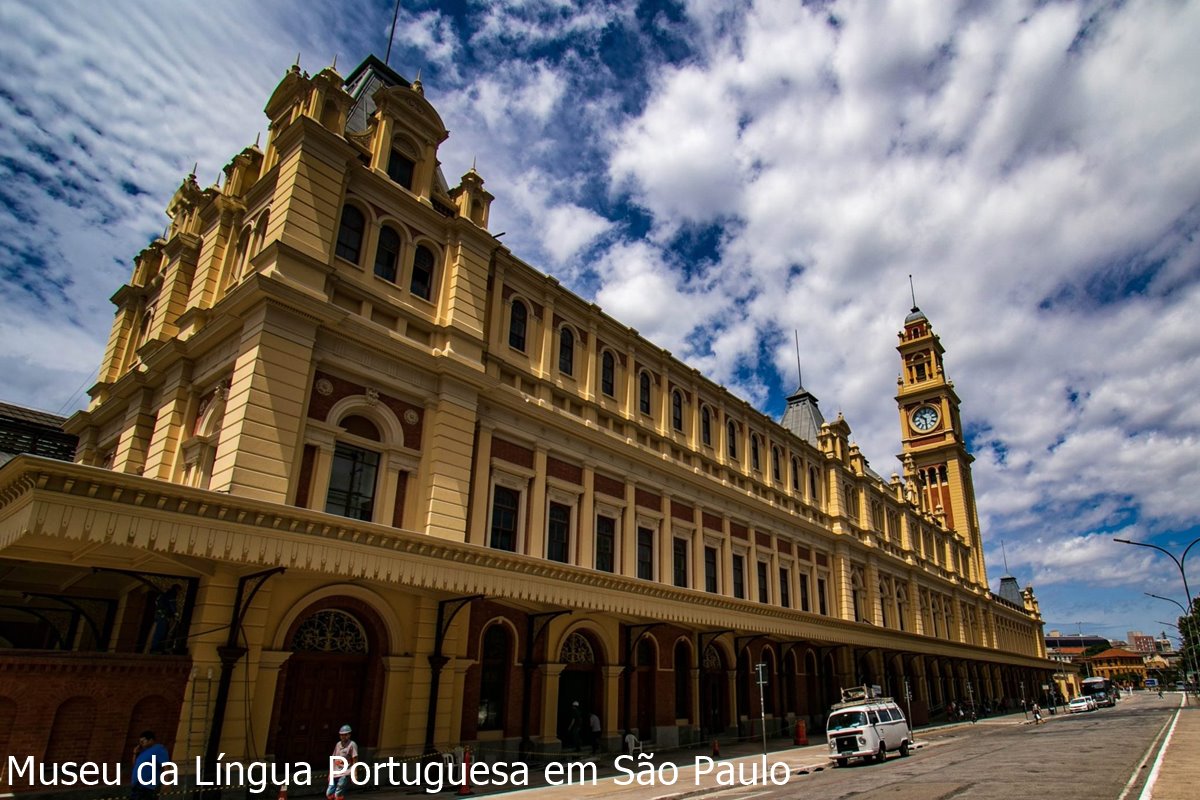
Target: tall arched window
796,474
517,319
754,462
608,374
350,234
566,351
422,274
677,410
644,392
776,470
731,432
387,254
493,677
705,426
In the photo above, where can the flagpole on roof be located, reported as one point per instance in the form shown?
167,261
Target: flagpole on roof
395,13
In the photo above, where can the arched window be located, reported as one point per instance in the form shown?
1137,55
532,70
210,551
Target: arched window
677,410
517,318
387,254
754,462
331,631
705,426
776,471
566,351
422,273
350,234
493,677
608,374
796,474
731,433
644,392
260,233
400,169
813,488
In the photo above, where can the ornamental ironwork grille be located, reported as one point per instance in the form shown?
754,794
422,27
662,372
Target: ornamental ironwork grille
577,650
331,631
712,659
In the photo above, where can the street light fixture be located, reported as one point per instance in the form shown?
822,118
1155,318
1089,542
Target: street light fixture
1187,665
1179,562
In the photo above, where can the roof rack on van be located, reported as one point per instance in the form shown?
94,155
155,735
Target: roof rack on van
860,695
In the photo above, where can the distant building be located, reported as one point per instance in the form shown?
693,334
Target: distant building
1140,642
26,430
1119,665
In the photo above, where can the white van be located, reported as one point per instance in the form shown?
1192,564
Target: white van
866,726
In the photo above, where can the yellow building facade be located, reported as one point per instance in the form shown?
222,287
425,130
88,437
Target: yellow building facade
350,460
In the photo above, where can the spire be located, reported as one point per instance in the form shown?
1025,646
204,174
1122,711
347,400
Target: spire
915,314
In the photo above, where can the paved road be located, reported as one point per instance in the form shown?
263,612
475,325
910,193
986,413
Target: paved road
1102,754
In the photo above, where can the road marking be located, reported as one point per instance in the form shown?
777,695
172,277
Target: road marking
1148,791
1142,764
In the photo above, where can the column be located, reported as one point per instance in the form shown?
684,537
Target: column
726,563
481,485
585,525
535,543
169,425
666,551
549,726
627,561
697,554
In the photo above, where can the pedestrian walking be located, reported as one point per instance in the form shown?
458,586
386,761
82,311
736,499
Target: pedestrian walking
339,771
1037,714
594,725
149,756
575,727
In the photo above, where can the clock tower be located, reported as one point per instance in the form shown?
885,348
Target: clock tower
934,449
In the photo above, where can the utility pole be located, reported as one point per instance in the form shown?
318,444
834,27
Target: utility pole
761,669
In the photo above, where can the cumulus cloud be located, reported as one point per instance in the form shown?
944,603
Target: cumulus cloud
718,174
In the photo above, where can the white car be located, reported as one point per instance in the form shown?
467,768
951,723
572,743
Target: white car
867,727
1080,704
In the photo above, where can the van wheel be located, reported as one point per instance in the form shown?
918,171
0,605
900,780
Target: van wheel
904,749
841,762
881,756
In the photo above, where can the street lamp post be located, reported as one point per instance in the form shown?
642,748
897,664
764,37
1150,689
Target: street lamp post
1187,663
1179,562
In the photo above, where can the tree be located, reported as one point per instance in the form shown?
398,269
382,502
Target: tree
1189,632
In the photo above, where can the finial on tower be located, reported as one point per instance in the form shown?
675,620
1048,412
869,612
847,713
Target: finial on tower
913,291
1005,556
256,137
333,66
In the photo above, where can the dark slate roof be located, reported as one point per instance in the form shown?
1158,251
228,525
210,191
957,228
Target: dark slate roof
802,416
27,430
1010,590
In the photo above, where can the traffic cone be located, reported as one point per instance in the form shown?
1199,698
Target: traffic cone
801,737
716,749
282,792
465,789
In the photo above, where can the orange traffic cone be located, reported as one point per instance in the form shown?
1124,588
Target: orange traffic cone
283,792
716,749
801,737
465,789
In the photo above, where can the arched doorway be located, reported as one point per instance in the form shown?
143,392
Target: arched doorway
330,680
714,691
580,682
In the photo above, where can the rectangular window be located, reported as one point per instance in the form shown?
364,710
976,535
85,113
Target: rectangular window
739,577
606,543
679,561
352,483
785,591
505,503
764,587
558,533
710,569
804,604
400,169
823,605
645,554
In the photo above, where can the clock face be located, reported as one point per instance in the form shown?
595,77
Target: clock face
925,418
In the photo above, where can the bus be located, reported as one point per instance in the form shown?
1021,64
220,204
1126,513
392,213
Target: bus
1101,689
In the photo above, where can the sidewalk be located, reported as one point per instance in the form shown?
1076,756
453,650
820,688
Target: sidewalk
1177,774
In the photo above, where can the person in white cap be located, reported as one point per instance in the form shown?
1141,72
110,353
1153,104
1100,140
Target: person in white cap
339,771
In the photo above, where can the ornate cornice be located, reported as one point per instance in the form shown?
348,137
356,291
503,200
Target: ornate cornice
41,497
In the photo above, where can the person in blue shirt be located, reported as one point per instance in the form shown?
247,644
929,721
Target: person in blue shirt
145,778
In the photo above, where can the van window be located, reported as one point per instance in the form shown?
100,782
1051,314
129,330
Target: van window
847,719
874,717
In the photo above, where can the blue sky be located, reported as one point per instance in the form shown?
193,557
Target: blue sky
767,166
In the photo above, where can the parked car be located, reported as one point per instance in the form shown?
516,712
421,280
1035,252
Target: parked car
867,727
1081,704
